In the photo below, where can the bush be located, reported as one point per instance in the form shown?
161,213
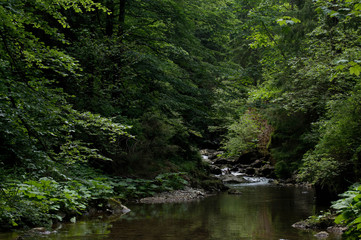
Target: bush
283,170
137,188
335,158
349,211
34,203
40,202
248,133
319,169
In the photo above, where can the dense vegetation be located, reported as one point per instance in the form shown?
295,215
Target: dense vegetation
113,98
94,96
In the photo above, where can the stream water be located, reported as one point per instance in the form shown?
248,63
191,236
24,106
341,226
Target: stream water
262,211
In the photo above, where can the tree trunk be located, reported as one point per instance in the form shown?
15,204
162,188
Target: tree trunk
109,27
121,17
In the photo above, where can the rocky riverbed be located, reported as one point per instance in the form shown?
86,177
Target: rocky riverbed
239,170
248,169
324,229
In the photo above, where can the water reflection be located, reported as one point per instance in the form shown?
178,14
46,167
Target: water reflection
260,212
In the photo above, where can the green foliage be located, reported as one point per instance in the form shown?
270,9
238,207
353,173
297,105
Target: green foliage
287,20
250,132
37,119
171,181
242,135
283,170
310,93
75,76
137,188
270,51
320,169
34,203
338,148
349,211
68,82
41,202
322,220
158,75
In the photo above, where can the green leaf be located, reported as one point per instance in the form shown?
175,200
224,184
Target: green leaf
340,67
40,197
357,220
340,219
356,70
287,20
358,6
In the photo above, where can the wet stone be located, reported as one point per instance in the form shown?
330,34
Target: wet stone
321,235
215,170
230,179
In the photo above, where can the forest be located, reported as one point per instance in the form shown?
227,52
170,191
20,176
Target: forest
108,99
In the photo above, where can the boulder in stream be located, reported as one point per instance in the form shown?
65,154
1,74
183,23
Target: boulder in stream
116,207
339,230
258,163
206,160
211,153
267,171
303,225
231,179
215,170
250,171
216,155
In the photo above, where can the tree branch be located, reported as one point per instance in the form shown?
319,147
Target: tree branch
269,34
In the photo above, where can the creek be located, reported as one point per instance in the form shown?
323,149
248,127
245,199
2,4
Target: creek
261,211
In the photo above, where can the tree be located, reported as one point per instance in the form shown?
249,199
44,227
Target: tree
39,127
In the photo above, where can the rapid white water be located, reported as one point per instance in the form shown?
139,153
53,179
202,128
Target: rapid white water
252,181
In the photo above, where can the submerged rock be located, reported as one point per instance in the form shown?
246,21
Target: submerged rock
234,191
40,230
321,235
35,233
301,225
116,207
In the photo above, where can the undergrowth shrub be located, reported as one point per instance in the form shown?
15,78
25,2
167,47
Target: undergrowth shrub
43,201
251,131
349,211
283,169
319,168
